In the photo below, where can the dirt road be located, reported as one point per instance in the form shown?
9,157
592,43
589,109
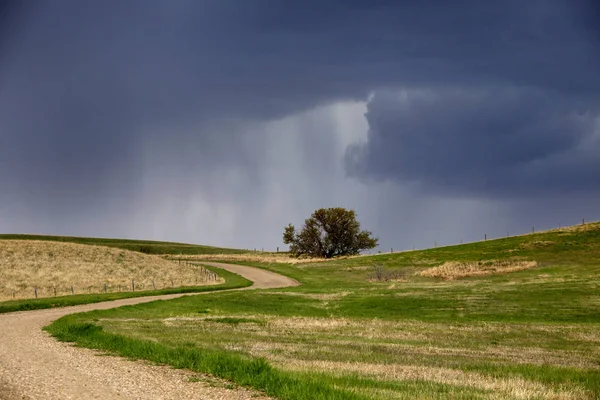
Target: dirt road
35,366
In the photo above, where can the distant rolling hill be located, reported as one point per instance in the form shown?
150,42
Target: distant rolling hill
144,246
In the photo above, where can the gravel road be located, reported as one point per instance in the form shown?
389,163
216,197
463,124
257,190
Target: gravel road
35,366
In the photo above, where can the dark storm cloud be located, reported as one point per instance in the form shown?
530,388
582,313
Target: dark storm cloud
94,94
528,127
8,10
131,62
491,142
82,83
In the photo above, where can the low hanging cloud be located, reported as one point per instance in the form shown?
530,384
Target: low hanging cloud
498,141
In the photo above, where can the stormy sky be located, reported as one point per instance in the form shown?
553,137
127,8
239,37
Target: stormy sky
220,121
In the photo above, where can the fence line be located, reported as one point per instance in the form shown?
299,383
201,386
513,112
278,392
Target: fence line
203,276
486,238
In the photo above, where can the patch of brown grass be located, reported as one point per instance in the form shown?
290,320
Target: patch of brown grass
267,258
509,387
56,266
453,269
282,258
588,226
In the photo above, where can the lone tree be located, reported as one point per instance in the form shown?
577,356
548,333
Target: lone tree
329,232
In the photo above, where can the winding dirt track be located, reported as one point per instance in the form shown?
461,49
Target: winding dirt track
35,366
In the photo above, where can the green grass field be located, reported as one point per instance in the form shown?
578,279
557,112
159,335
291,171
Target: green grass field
529,334
144,246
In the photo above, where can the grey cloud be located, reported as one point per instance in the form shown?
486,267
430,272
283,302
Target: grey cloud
9,13
101,101
482,142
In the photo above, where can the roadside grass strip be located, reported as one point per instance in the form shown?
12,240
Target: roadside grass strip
256,373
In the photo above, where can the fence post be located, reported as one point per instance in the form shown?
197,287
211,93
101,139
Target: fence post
485,237
583,222
153,287
278,249
72,290
54,291
105,288
132,285
35,291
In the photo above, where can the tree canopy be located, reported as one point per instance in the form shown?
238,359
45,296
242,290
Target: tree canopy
329,232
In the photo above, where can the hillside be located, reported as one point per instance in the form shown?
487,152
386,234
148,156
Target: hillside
144,246
578,244
513,318
58,268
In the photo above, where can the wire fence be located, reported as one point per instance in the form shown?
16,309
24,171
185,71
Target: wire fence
136,283
485,237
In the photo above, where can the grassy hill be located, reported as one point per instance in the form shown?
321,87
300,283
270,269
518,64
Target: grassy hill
515,318
33,268
580,244
144,246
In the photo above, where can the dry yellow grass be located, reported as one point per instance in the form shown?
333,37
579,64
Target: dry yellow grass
500,388
264,257
253,257
452,269
579,228
49,266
